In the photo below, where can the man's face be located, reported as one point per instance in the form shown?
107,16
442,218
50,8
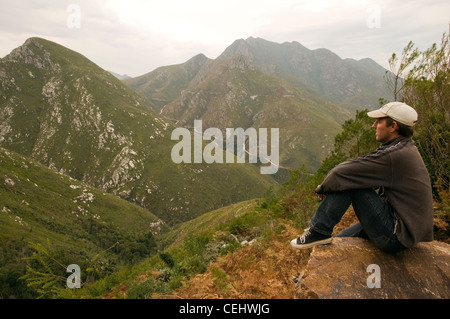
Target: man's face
383,132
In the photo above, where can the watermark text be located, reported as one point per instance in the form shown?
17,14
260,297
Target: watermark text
74,280
74,19
373,21
234,143
374,279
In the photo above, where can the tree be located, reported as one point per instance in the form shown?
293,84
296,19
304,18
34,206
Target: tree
47,269
398,66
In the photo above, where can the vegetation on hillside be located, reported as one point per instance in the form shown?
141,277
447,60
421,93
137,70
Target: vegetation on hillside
183,253
43,210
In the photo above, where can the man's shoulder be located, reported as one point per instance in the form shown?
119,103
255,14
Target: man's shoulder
389,148
403,143
397,144
400,140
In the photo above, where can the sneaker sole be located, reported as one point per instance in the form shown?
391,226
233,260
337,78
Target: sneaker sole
316,243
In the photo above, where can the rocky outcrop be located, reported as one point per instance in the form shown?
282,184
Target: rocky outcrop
352,268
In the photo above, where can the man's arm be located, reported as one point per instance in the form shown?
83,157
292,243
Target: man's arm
364,172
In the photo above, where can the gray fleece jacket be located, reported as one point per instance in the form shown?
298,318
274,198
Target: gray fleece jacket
399,171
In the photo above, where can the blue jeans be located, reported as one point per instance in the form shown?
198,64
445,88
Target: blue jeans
377,221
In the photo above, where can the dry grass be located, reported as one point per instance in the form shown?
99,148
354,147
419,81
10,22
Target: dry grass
266,270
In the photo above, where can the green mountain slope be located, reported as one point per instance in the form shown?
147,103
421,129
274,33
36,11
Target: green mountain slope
187,250
38,204
166,83
232,92
61,109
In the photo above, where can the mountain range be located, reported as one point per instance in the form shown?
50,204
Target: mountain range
349,82
64,111
86,154
307,94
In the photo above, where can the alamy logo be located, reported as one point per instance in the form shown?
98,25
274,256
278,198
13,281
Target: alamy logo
214,151
74,19
374,19
374,279
74,280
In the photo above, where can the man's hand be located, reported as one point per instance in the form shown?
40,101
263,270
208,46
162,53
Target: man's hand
318,190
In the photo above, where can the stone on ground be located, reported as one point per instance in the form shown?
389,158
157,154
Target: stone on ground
351,268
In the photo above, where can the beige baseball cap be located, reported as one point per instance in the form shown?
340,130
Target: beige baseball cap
397,111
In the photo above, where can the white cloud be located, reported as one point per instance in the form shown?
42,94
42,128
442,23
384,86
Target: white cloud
136,36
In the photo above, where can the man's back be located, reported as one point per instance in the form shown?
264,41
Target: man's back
410,194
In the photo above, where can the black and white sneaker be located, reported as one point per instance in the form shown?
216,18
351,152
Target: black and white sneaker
310,238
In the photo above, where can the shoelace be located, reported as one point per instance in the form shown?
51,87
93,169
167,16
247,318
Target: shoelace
302,238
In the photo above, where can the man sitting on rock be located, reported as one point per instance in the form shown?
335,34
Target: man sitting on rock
400,213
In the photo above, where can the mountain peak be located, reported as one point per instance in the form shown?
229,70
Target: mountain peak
50,57
196,62
199,56
31,47
34,52
239,46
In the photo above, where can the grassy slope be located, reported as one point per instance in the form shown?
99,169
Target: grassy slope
194,248
192,245
211,262
37,205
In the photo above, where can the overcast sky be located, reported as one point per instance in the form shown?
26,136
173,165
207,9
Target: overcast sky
134,36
